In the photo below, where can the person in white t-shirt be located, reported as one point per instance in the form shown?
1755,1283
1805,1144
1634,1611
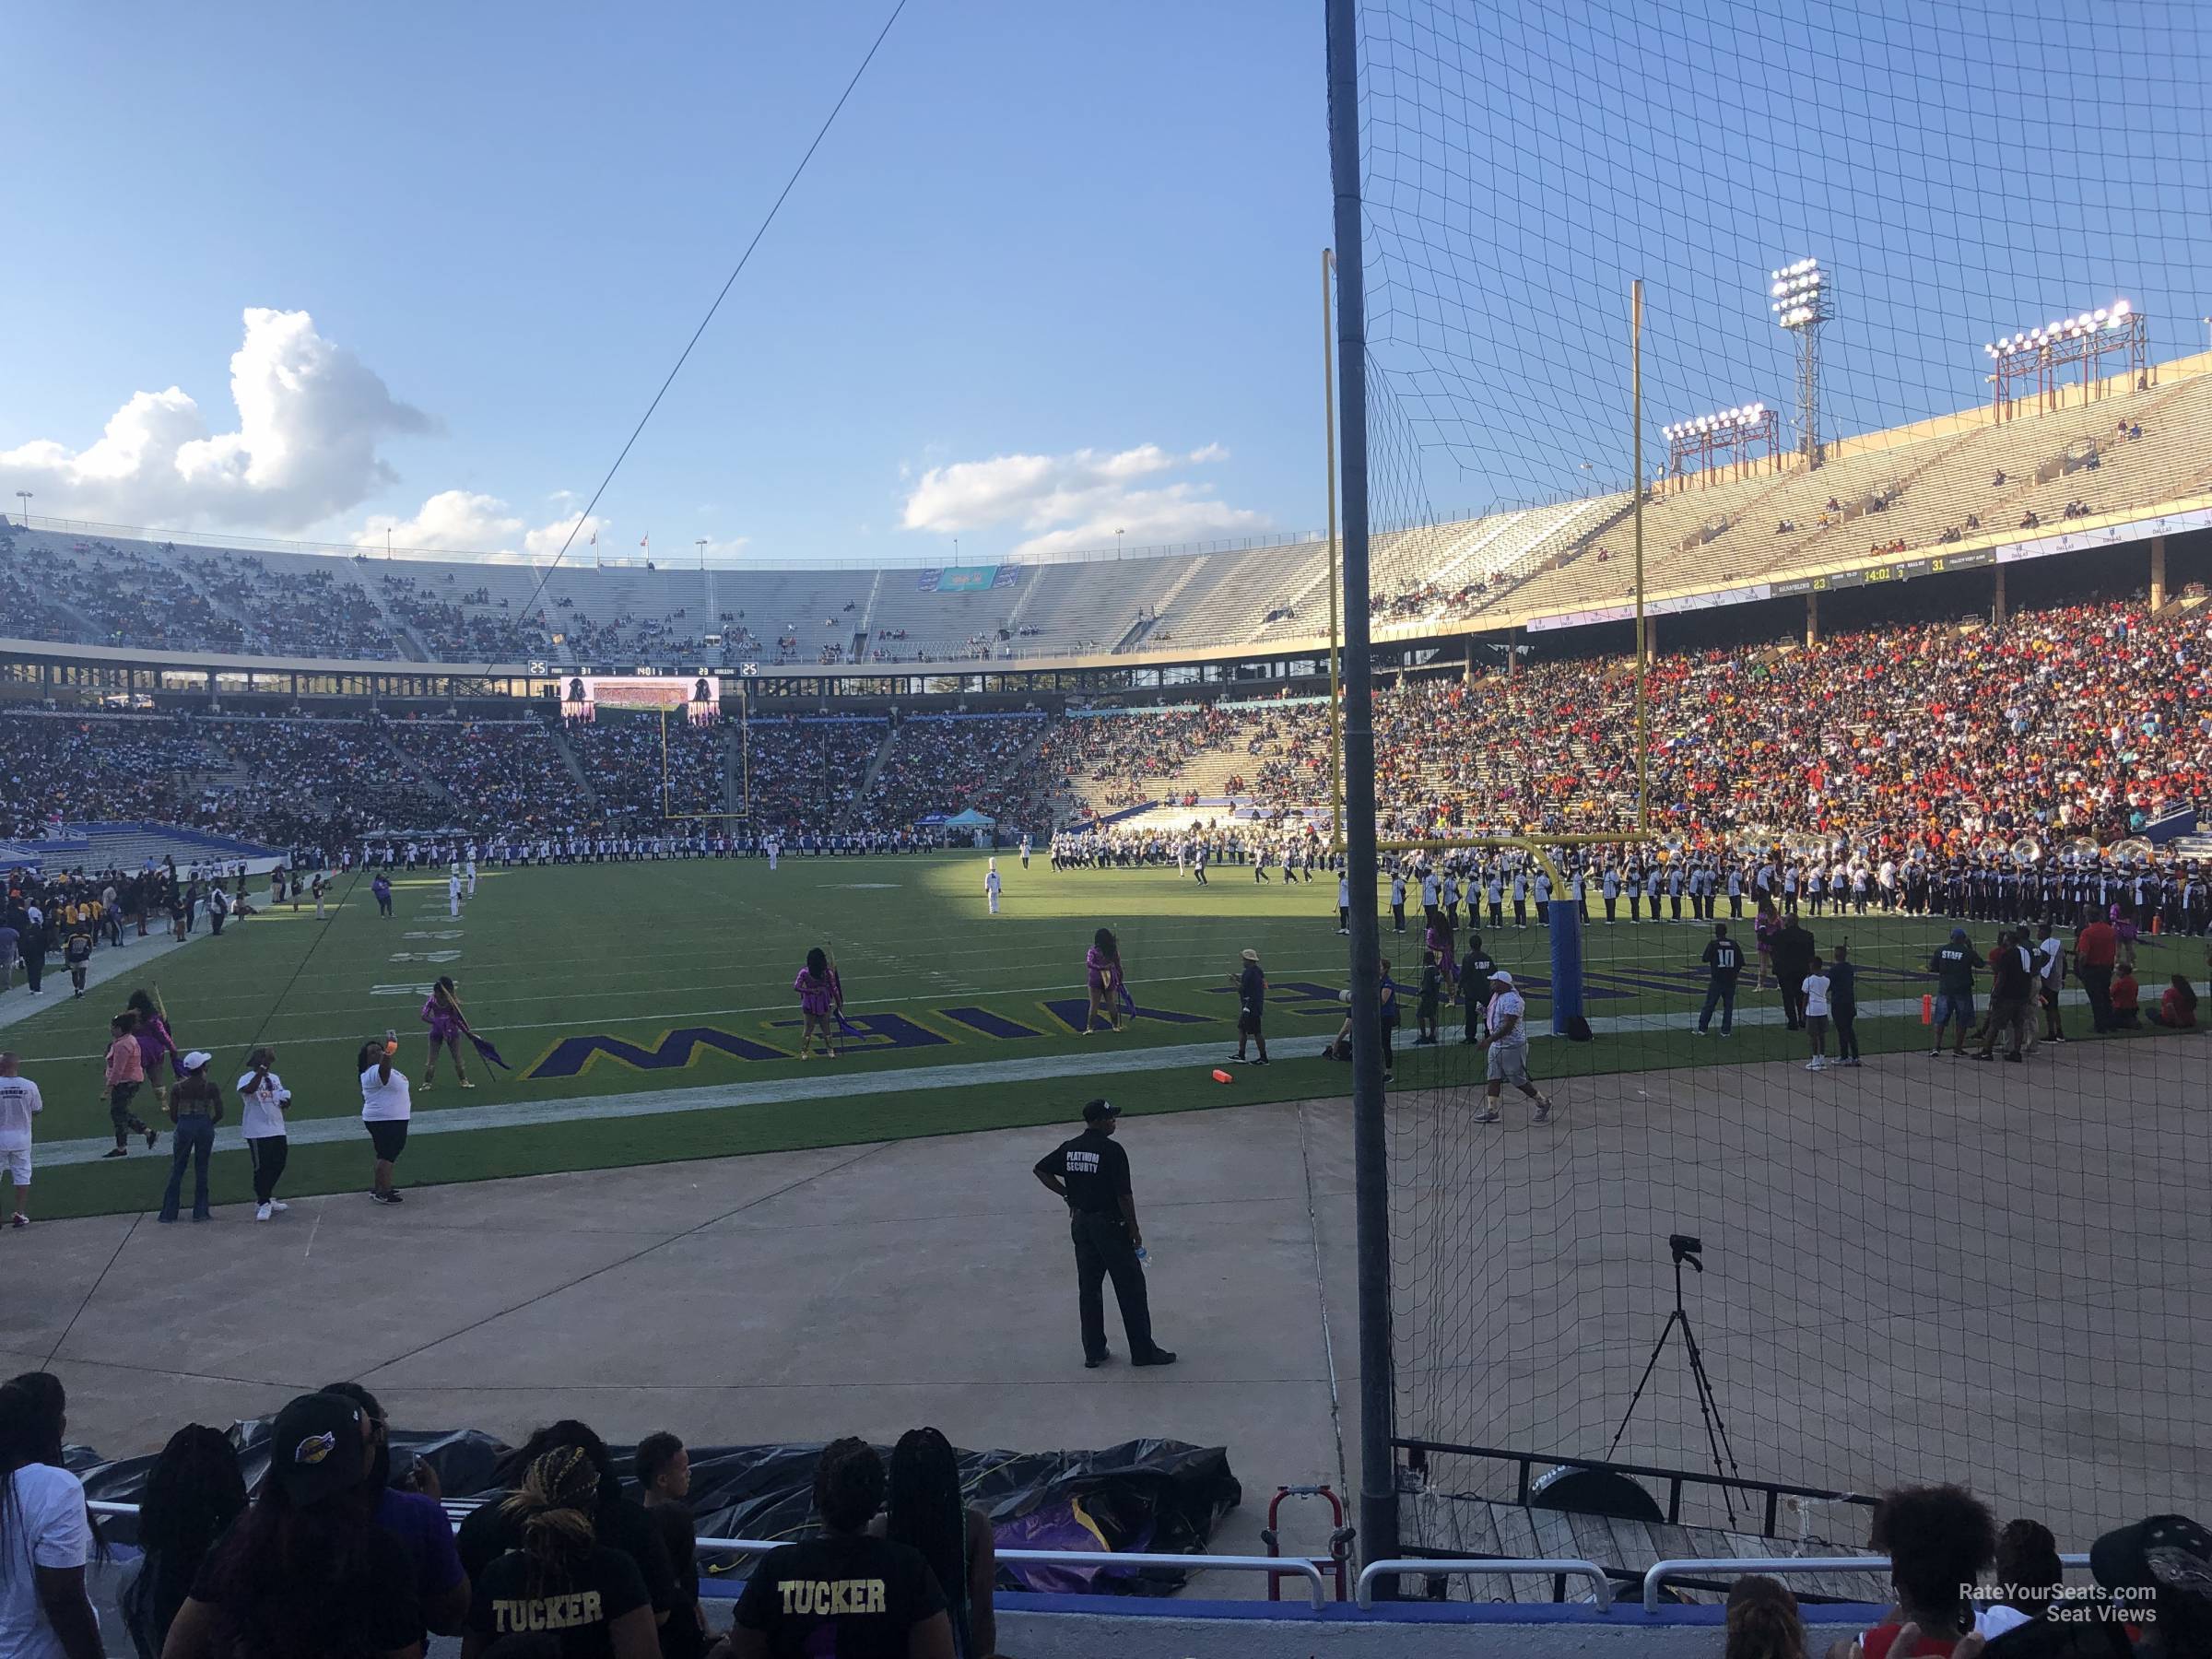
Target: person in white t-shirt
264,1100
1815,1014
1505,1037
990,886
2049,978
453,893
386,1105
45,1538
19,1103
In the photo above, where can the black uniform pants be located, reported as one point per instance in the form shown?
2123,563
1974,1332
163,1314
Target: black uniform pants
268,1154
2098,983
1102,1251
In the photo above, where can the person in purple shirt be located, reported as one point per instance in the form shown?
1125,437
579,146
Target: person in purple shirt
411,1513
443,1014
157,1048
381,888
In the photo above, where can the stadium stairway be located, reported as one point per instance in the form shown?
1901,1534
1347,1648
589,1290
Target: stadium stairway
570,759
868,780
411,770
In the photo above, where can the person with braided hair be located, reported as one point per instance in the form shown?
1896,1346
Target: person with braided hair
561,1591
924,1509
844,1593
618,1522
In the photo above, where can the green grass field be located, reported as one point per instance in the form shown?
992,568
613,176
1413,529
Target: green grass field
603,980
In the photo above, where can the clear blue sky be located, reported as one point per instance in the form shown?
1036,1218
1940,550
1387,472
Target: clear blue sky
1036,230
1052,275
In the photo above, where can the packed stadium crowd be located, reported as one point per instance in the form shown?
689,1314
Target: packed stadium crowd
321,612
1114,761
955,764
623,762
495,774
2078,723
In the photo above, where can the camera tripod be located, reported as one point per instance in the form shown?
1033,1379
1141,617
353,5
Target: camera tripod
1686,1249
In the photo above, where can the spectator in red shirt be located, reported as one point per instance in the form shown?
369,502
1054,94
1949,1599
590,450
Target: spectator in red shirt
2126,1000
2177,1008
2095,948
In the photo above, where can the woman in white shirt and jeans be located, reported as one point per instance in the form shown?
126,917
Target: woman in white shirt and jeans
386,1105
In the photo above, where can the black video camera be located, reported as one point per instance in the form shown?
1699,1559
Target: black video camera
1687,1249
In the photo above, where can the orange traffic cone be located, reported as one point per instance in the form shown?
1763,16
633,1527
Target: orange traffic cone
1927,1009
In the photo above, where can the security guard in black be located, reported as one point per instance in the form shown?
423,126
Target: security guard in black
1091,1173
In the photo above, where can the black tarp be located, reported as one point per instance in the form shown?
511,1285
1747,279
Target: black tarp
1141,1496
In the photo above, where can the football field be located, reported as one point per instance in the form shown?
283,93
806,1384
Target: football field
647,1012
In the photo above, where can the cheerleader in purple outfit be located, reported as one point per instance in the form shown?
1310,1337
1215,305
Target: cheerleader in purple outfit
1102,973
821,1000
447,1025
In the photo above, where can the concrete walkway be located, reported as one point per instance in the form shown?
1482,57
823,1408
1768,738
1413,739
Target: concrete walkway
1918,1270
109,962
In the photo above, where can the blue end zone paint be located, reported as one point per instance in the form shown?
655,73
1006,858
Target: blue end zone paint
990,1024
876,1031
674,1051
1072,1011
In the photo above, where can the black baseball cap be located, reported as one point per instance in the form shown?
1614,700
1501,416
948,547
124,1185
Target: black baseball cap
1099,1110
2169,1554
315,1448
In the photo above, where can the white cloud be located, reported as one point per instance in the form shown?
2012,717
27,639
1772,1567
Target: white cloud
311,415
1078,499
461,521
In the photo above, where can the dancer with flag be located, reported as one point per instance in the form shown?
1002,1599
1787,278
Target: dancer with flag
441,1012
1108,985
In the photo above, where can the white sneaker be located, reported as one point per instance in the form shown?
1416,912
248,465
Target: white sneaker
1815,1064
279,1206
262,1212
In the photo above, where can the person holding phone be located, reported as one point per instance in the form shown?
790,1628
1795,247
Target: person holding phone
386,1106
262,1101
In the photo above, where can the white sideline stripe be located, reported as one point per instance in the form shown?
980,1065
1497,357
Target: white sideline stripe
831,1084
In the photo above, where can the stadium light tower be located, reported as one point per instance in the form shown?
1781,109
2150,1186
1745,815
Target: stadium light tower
2034,358
1723,442
1803,300
24,496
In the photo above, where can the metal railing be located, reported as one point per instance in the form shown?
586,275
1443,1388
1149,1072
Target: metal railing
1775,1566
1773,1491
1290,1566
1562,1567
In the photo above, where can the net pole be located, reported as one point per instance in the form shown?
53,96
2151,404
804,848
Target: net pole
1378,1517
1643,782
1328,421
